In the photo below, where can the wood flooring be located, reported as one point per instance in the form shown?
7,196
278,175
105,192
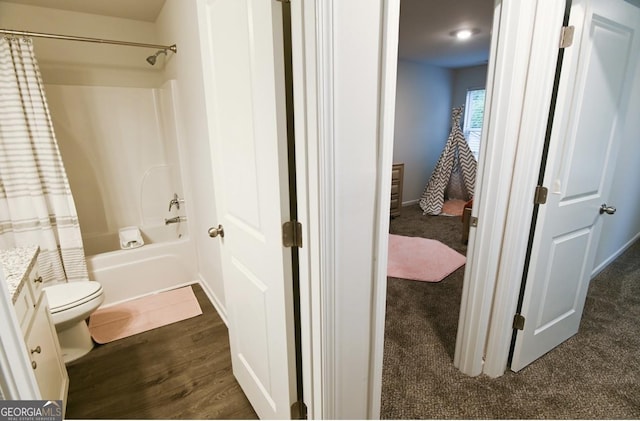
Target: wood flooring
179,371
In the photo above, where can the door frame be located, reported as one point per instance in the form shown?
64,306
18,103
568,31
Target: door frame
521,85
313,38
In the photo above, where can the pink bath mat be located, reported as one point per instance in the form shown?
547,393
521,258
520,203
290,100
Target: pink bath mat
421,259
143,314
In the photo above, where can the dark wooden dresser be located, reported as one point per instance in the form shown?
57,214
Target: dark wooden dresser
397,175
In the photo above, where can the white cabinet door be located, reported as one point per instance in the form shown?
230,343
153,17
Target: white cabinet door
244,77
592,96
44,351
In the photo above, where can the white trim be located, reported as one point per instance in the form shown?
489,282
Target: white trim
213,299
312,55
542,57
602,266
387,103
17,380
303,27
327,189
469,348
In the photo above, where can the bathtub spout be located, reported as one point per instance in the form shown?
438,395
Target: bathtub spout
175,220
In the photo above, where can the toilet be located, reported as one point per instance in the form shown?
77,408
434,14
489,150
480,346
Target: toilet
70,305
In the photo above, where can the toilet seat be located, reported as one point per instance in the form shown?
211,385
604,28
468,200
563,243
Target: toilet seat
63,297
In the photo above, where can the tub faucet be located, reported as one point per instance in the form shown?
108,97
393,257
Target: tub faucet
175,201
175,220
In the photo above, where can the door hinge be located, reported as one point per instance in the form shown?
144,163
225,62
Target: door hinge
298,411
566,36
292,234
518,321
540,196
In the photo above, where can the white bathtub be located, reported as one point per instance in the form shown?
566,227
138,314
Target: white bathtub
165,261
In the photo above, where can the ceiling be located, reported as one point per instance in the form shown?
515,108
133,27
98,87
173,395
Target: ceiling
144,10
426,26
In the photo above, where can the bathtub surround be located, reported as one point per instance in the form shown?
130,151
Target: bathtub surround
36,204
120,148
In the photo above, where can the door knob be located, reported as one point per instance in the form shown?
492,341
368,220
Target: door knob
610,210
214,232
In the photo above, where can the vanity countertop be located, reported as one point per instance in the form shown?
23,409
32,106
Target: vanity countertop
16,265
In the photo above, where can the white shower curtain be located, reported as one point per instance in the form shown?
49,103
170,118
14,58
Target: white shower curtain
36,206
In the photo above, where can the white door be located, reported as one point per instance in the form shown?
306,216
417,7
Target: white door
243,60
592,97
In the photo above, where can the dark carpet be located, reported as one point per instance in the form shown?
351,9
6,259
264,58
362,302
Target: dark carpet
594,375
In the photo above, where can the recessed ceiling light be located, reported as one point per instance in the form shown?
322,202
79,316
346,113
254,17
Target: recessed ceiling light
463,34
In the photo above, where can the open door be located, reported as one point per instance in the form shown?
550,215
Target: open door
244,63
591,104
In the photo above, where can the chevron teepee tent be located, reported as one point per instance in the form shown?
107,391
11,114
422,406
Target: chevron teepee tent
456,166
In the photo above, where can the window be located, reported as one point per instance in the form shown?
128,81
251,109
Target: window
473,116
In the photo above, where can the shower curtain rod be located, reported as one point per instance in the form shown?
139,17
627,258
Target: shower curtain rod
172,48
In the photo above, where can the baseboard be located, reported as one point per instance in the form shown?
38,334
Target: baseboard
410,202
214,300
596,271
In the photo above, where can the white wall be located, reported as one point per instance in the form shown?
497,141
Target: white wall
422,122
178,24
81,63
624,227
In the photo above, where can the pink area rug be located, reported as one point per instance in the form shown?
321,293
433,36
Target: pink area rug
421,259
143,314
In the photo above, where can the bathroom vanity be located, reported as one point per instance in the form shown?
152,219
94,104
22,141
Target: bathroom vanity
32,311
